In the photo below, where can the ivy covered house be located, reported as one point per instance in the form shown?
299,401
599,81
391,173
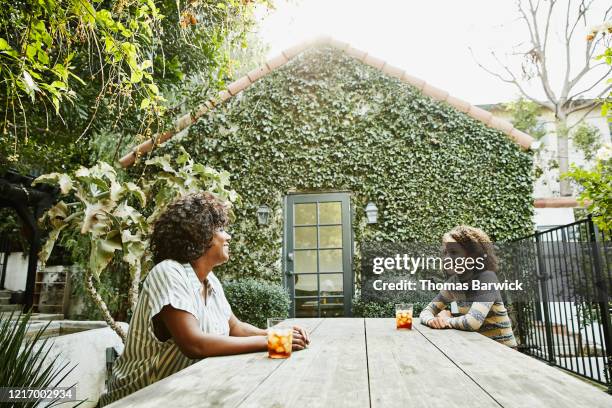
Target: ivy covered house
324,129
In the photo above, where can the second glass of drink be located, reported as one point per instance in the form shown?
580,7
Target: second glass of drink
403,315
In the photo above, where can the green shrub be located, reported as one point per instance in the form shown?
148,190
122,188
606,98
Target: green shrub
253,301
379,309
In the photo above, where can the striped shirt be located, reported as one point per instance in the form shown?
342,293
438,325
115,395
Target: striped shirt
482,312
145,358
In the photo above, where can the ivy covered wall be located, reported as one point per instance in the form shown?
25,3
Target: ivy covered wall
327,122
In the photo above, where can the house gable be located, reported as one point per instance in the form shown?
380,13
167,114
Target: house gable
233,89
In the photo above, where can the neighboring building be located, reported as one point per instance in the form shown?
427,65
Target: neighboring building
550,209
325,131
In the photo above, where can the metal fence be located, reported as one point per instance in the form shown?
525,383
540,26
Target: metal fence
564,318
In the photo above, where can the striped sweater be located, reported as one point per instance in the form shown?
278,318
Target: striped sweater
481,312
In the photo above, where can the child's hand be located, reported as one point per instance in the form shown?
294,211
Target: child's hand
446,314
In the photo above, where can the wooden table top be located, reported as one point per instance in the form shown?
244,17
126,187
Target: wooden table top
356,362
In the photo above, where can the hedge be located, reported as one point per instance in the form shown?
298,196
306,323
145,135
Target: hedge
253,301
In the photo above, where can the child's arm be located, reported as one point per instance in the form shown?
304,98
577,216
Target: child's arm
474,318
434,307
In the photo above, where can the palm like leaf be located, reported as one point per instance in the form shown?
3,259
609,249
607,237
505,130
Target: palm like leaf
22,358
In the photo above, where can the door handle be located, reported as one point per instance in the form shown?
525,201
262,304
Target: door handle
290,257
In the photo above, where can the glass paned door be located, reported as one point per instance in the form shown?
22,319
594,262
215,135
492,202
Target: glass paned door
317,254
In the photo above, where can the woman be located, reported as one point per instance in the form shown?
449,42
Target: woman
479,310
182,314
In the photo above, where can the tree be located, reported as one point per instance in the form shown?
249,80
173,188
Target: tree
83,75
539,17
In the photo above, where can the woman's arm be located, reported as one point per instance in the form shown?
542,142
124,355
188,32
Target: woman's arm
193,343
239,328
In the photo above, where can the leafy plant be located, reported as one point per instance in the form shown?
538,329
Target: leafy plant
113,286
596,187
254,301
587,139
381,309
525,117
604,30
23,355
72,71
587,313
112,214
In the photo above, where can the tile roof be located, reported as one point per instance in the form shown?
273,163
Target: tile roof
558,202
521,138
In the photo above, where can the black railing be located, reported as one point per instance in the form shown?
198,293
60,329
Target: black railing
563,316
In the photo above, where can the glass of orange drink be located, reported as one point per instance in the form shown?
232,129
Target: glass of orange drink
403,315
280,338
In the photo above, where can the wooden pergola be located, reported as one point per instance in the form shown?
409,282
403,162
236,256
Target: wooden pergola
17,192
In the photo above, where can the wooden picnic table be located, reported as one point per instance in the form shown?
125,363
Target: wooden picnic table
356,362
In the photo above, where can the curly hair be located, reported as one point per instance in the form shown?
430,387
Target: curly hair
476,243
184,231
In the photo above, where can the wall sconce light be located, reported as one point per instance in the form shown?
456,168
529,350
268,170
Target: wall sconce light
372,213
535,145
263,214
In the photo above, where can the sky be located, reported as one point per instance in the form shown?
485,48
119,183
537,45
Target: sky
429,39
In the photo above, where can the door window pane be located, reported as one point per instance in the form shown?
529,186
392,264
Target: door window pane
332,307
331,284
330,260
330,237
307,307
330,213
305,237
305,261
306,285
305,214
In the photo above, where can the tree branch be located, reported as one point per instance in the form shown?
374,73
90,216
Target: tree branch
566,89
512,79
97,299
589,110
546,29
582,9
588,56
540,61
595,83
591,102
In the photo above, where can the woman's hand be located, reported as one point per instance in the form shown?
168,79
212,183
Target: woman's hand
300,338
